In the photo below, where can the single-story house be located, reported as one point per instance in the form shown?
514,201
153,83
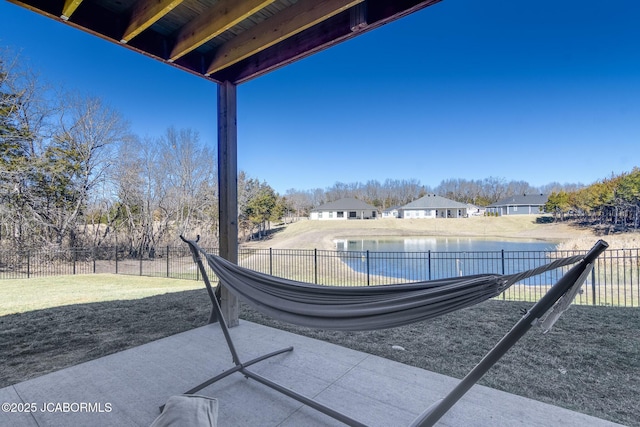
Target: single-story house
525,204
391,212
473,210
433,206
347,208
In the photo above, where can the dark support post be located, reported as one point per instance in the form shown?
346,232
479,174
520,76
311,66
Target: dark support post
228,190
368,276
593,286
315,266
504,296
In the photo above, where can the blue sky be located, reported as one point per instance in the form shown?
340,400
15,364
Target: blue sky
545,91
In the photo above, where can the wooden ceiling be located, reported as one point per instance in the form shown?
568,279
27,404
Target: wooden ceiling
225,40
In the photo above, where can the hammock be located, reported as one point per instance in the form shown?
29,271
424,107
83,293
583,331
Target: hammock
356,308
384,306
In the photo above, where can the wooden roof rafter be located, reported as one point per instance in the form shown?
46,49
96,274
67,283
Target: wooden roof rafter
145,13
226,40
220,18
70,6
293,20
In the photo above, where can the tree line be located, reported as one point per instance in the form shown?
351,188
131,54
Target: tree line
612,202
73,174
392,193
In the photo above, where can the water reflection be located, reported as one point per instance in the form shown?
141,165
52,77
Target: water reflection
440,244
428,258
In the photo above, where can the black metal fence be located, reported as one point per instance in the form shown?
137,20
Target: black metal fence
615,279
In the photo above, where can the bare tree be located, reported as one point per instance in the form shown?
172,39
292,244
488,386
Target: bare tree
167,187
301,202
190,169
141,190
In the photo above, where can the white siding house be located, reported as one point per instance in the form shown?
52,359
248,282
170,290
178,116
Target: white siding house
433,206
344,209
391,212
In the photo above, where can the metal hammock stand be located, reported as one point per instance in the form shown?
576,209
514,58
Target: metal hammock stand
545,311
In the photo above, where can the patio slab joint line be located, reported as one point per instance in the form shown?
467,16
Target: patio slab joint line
314,396
35,420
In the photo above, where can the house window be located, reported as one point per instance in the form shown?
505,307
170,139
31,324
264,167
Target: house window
330,214
340,214
319,215
353,214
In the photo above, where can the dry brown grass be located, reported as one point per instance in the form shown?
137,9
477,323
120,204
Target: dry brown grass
307,234
630,240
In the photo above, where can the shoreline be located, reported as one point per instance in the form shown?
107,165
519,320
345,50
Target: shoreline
312,234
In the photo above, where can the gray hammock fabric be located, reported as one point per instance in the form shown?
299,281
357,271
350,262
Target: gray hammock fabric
358,308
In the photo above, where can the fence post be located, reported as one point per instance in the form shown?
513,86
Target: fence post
367,267
315,266
504,297
270,262
141,262
593,285
28,263
429,265
94,256
116,254
75,256
167,261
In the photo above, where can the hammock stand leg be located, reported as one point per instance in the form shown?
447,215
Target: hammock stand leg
574,277
241,367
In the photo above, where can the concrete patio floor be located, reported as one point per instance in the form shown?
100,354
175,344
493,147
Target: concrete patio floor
126,388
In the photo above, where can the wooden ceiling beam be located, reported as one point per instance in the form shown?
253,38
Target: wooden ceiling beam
222,16
145,13
287,23
69,7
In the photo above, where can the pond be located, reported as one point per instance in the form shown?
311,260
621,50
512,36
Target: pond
428,258
440,244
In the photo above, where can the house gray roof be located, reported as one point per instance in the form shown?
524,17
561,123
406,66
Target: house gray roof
392,208
522,200
432,201
345,205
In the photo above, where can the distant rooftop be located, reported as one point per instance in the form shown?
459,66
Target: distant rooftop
523,200
433,201
345,204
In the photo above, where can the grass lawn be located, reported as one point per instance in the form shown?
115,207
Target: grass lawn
589,362
22,295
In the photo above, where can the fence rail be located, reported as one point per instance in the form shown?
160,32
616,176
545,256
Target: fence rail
615,279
